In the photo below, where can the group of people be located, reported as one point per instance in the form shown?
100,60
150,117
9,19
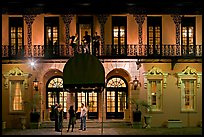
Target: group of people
72,117
86,40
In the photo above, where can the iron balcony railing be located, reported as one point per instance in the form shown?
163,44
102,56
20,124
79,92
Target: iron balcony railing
106,51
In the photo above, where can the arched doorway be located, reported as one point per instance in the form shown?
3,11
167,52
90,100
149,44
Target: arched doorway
116,97
55,94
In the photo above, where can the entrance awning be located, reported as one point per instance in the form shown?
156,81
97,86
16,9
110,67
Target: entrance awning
83,72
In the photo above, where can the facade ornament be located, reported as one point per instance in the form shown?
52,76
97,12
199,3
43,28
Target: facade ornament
139,14
177,20
67,18
155,73
29,19
102,18
189,73
16,72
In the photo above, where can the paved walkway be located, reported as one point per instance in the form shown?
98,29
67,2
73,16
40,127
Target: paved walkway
107,131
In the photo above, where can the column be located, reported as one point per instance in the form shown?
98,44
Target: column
67,20
102,18
140,20
177,21
29,21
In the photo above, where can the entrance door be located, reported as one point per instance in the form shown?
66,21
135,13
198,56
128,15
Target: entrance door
55,95
90,99
116,98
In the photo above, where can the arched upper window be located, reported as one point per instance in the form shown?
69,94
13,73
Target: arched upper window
56,83
116,82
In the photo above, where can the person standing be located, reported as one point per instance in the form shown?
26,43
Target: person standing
83,117
75,42
72,118
96,43
86,42
56,116
60,116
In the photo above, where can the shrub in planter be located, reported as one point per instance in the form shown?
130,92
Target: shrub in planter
138,105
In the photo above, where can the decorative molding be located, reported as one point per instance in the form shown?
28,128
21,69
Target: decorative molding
16,72
189,73
158,73
29,21
67,20
177,20
102,18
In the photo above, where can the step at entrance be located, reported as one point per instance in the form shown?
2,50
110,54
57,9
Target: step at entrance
91,124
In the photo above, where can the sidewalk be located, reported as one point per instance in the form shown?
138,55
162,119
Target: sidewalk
107,131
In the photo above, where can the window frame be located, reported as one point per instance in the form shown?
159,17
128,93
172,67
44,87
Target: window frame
155,73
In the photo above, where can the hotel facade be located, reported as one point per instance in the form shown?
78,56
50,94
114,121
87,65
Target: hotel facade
146,54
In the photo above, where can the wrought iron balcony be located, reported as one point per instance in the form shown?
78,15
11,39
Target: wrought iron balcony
131,51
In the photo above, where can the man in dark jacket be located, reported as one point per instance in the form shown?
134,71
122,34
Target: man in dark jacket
56,117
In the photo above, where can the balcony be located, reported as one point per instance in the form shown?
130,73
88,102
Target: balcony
133,51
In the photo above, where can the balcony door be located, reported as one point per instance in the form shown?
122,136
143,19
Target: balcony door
154,37
119,35
84,23
188,36
51,36
16,37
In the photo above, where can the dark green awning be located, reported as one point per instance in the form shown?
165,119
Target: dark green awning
83,71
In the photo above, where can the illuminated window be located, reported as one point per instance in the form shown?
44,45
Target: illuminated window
155,94
56,83
16,36
188,95
155,82
116,82
16,98
188,81
154,30
92,102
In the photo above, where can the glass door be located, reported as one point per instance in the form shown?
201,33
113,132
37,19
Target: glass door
119,35
116,98
90,99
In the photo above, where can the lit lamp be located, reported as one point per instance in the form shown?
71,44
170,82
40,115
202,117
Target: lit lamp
35,84
135,83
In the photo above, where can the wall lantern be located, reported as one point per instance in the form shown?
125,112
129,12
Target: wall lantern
35,84
135,83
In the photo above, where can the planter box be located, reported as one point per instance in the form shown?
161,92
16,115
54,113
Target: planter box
3,125
35,125
174,124
137,125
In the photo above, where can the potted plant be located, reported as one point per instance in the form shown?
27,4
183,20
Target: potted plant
35,107
139,106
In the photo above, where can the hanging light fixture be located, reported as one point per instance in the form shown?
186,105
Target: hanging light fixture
135,83
35,84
